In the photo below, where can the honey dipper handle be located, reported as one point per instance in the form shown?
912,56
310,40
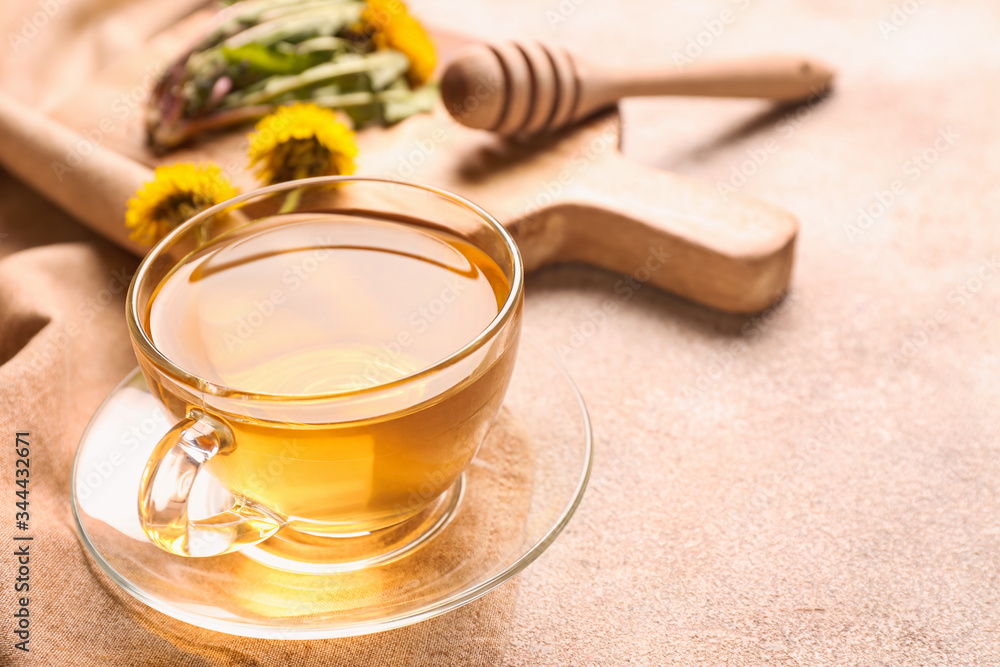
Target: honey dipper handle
783,78
654,227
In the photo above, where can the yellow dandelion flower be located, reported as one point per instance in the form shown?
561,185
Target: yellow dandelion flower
177,193
301,141
392,27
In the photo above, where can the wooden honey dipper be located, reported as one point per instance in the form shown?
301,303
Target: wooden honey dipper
524,88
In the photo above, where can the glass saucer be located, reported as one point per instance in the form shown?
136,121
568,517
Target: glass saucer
516,497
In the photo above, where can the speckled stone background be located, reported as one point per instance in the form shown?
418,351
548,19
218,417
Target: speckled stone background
813,486
817,486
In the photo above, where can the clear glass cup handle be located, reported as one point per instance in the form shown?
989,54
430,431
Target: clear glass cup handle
166,485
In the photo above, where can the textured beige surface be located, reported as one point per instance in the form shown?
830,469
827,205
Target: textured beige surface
815,486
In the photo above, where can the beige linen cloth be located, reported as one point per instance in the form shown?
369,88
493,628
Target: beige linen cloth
64,346
813,487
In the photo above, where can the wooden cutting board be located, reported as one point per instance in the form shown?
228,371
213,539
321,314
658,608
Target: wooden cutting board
570,197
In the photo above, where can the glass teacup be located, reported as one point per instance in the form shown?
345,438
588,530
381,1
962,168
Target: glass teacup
332,356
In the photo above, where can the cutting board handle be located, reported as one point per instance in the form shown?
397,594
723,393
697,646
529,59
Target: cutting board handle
94,187
730,252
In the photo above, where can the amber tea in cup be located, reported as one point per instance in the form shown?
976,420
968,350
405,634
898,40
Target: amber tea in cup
335,367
